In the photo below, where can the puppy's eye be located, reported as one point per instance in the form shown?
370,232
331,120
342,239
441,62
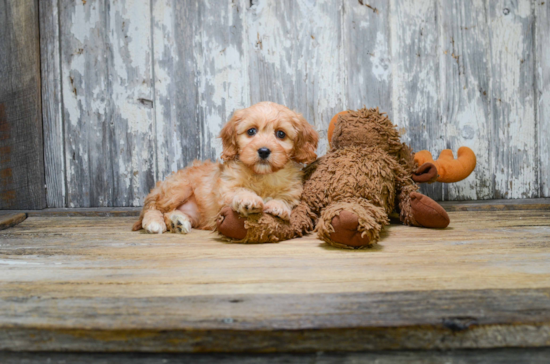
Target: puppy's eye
251,131
280,134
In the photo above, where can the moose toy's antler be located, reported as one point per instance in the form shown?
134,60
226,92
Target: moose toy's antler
449,168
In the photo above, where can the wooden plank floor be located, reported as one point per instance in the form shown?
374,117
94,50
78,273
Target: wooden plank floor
86,283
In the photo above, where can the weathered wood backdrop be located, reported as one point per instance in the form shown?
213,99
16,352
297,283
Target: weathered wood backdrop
135,89
21,149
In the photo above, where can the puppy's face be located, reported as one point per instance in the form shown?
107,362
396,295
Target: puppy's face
266,136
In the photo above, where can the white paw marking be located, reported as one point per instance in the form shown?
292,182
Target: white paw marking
279,209
180,223
155,228
248,206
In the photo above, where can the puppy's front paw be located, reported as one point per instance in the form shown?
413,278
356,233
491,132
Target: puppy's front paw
178,222
246,204
278,208
153,222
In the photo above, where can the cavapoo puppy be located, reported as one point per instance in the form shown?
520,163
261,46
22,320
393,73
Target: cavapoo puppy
263,147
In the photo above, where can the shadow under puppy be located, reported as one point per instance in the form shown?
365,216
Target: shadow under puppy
263,146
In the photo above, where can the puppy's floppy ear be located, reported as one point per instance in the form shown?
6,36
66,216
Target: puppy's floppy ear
306,141
228,135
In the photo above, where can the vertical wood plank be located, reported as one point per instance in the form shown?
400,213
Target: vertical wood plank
84,71
297,58
542,73
131,83
176,93
201,77
221,55
515,165
108,102
464,92
52,101
368,54
415,80
21,148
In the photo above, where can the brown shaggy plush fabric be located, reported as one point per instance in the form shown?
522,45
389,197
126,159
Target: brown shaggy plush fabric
349,192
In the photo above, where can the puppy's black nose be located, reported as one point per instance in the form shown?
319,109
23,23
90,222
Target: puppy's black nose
264,153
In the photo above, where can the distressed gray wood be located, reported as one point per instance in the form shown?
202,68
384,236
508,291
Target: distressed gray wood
367,54
416,77
52,104
221,57
108,102
542,96
21,148
448,73
178,118
515,165
464,92
297,59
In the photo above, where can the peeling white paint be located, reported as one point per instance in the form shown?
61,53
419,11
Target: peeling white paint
513,104
442,72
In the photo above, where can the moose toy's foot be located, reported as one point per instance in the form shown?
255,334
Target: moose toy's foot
230,224
428,213
347,232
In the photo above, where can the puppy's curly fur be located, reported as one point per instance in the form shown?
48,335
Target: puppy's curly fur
247,181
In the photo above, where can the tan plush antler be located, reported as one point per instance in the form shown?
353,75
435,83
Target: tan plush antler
449,168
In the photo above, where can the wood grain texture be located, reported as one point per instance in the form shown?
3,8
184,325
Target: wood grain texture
108,102
21,148
367,53
297,58
10,220
178,118
495,205
221,58
449,74
100,287
480,205
416,78
542,92
504,356
52,104
515,166
480,356
464,62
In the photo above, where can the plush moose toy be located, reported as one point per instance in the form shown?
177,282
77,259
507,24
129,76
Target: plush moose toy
349,193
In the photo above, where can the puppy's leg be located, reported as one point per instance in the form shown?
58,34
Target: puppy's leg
178,222
166,196
246,202
278,208
153,222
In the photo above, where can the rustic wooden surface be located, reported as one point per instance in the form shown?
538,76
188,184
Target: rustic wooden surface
10,220
146,86
504,356
496,205
480,205
89,284
21,149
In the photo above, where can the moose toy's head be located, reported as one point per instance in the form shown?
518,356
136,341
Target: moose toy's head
364,128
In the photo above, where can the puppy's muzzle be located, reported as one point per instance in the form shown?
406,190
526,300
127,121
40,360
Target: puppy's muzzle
264,153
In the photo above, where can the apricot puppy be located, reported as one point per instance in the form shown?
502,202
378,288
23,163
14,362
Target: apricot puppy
263,146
